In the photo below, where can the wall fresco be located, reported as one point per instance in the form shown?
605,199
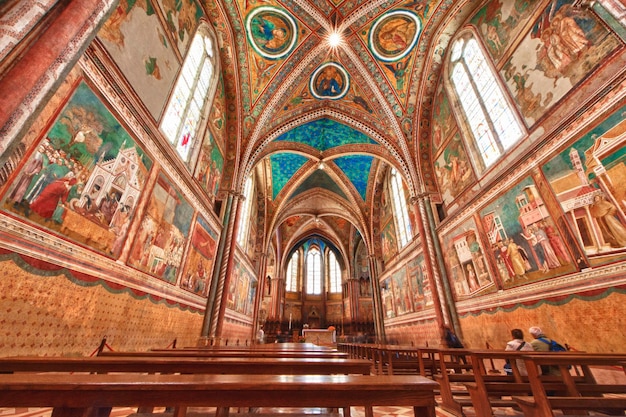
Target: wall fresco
161,239
465,261
388,228
386,295
443,119
499,21
523,236
138,44
210,166
587,178
182,18
564,45
84,178
454,170
200,259
242,287
420,283
402,292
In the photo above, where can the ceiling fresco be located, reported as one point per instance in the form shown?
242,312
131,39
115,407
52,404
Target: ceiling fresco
301,100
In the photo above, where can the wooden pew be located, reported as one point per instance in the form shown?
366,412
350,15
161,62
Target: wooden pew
225,353
579,394
186,365
95,394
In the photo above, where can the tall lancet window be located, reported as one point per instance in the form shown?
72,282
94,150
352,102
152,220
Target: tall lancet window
400,211
487,113
244,217
334,273
292,272
314,271
182,118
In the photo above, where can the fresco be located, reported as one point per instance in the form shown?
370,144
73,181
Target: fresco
329,81
465,261
453,170
152,65
284,166
588,180
210,166
217,118
161,239
84,178
388,234
523,236
565,45
271,31
498,21
182,18
443,120
323,134
393,35
241,290
418,276
355,167
402,292
200,259
386,295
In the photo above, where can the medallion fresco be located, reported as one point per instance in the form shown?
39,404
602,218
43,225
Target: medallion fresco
564,46
418,276
465,261
453,170
162,235
588,180
242,287
272,32
200,259
145,57
329,81
498,22
84,178
524,238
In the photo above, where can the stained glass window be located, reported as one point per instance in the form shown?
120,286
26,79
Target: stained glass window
314,271
488,114
183,114
244,218
334,272
401,214
292,272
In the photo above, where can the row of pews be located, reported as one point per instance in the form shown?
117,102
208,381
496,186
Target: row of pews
474,378
261,376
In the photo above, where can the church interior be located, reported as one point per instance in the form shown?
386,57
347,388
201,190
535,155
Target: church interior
199,172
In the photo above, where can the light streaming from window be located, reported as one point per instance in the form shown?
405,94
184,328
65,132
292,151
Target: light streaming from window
292,273
334,271
184,111
401,214
486,109
314,272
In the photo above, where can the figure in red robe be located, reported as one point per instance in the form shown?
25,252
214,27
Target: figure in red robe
47,201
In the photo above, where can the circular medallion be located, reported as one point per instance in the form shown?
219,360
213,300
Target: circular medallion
271,31
329,81
394,34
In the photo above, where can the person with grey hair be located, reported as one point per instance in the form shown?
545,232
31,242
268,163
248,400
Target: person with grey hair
541,343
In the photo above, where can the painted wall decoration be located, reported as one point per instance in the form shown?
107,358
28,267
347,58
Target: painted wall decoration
523,237
565,45
388,229
182,18
443,120
498,22
420,283
145,57
386,295
272,32
465,261
160,242
402,292
84,178
217,117
393,35
200,259
588,180
241,289
210,166
453,169
329,81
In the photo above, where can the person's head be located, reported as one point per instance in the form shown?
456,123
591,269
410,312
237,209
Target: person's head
517,334
535,332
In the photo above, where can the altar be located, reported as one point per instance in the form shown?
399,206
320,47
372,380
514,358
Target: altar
320,337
